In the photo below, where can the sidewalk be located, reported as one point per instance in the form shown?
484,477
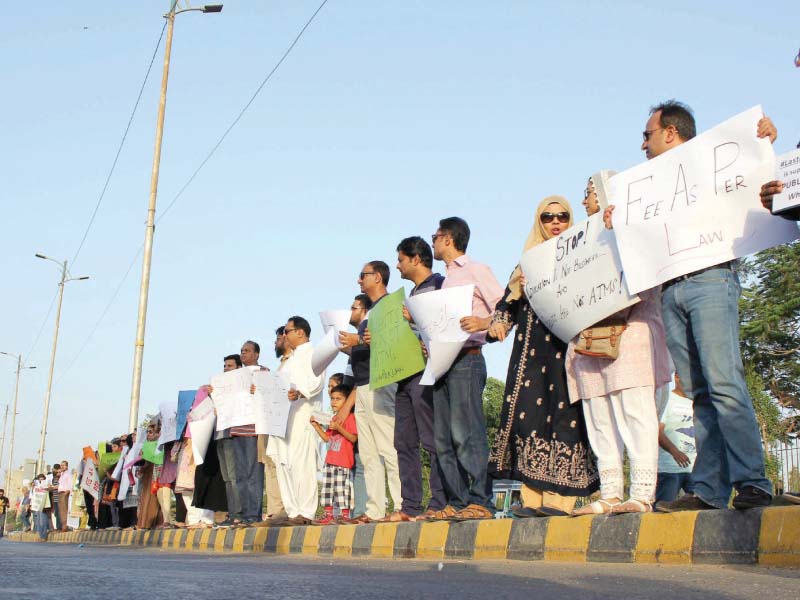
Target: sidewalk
768,537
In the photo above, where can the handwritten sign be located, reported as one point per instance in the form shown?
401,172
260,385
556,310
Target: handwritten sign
575,279
395,352
232,398
185,401
169,422
272,404
202,422
697,205
437,316
91,481
789,173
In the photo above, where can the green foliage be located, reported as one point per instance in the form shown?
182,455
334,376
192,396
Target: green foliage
493,406
770,331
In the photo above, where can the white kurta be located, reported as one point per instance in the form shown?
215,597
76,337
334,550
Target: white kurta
296,455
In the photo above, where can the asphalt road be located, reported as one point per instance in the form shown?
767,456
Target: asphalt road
64,572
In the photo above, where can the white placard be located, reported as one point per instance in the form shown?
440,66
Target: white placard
272,403
697,205
437,316
336,321
169,422
232,398
90,481
323,418
789,172
203,421
575,279
325,352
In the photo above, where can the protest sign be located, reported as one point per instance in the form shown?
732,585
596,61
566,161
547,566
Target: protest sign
437,316
272,404
169,422
136,452
395,352
40,497
151,453
108,460
789,173
325,352
336,321
323,418
232,398
185,401
91,481
202,424
575,279
697,205
117,473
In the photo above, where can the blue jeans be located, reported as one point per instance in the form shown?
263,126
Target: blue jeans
41,523
459,429
249,476
359,488
227,467
701,319
669,484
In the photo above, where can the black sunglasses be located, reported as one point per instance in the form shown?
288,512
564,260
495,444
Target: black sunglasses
548,217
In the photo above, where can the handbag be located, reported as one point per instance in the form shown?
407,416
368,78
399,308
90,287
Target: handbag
603,339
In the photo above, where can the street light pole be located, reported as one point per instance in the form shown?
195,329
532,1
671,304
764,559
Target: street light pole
3,443
149,233
13,422
64,279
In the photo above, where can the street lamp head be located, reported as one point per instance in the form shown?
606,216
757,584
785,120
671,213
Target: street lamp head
41,256
83,278
212,8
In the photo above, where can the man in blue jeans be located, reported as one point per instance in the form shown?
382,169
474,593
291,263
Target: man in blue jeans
701,320
459,426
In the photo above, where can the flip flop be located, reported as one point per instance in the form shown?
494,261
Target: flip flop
632,505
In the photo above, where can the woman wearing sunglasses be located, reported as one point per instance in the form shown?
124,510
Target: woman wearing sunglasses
542,439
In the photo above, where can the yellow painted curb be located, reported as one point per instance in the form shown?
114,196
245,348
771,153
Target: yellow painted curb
311,540
219,540
383,540
666,538
204,535
343,543
567,539
779,538
238,540
284,540
432,539
491,539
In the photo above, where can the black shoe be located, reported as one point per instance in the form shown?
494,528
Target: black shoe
549,511
751,497
685,502
227,523
524,512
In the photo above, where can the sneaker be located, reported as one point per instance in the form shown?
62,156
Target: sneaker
750,496
685,502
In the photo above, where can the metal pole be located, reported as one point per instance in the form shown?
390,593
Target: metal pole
144,287
3,443
13,428
40,461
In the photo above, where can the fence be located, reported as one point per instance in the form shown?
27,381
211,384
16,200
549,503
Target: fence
788,456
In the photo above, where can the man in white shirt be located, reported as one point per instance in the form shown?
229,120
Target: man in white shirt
296,454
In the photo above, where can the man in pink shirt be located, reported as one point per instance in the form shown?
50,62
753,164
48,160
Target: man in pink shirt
459,424
64,490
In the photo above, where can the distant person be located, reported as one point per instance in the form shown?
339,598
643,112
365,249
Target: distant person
64,491
4,503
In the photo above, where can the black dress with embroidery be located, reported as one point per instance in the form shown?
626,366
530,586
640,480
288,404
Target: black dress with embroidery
542,438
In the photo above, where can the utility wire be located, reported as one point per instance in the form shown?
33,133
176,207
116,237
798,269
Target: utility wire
241,112
189,181
121,144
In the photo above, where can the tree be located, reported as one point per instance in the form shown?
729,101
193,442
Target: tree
493,406
770,336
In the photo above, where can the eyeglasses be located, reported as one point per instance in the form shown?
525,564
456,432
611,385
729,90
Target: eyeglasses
648,132
356,308
365,273
287,331
437,235
548,217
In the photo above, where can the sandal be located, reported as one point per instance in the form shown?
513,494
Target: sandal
632,505
398,517
363,519
441,515
428,515
598,507
472,512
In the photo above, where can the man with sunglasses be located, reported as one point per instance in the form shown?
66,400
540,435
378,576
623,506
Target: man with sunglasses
459,425
374,409
701,319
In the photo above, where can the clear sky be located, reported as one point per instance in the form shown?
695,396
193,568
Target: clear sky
386,117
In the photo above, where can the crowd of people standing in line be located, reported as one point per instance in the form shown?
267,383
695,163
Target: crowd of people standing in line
567,418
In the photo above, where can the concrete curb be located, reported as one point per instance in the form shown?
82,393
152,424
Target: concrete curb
769,537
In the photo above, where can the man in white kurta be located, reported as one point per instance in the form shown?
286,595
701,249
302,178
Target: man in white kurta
296,455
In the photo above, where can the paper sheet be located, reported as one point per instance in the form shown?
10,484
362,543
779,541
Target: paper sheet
272,403
203,422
